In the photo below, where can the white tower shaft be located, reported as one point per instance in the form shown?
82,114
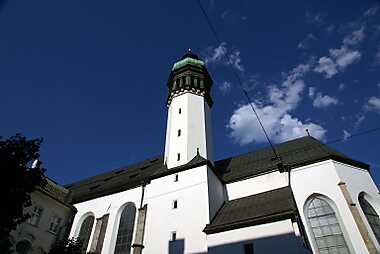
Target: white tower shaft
188,130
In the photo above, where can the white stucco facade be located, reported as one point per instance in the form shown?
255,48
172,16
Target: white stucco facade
188,130
321,179
198,193
39,234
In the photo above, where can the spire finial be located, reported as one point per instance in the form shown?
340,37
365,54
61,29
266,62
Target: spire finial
307,131
189,50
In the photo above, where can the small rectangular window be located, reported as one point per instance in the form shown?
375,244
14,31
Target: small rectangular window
178,157
175,204
173,236
248,248
54,224
176,178
35,216
179,132
179,111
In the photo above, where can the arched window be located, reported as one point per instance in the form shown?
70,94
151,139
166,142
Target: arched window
325,226
372,216
85,231
125,232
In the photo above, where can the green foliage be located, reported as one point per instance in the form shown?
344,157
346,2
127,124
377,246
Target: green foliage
18,181
69,246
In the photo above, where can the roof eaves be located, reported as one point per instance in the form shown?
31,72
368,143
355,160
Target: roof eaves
212,229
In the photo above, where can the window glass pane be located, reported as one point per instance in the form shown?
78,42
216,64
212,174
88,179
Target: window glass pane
85,231
35,216
327,232
125,232
372,217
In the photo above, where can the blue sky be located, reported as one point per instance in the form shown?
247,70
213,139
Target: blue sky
90,76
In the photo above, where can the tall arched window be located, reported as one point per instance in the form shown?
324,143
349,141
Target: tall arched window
125,232
372,216
325,226
85,231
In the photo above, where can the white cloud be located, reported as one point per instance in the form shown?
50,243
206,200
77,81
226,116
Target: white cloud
321,101
217,56
371,11
342,86
377,56
317,19
355,37
311,92
276,115
326,65
236,60
344,56
346,135
373,104
305,43
330,29
360,119
339,59
225,87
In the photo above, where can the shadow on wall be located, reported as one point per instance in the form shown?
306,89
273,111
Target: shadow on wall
284,244
177,246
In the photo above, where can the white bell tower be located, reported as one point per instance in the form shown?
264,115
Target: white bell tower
188,130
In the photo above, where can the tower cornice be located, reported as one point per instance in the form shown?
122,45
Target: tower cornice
189,75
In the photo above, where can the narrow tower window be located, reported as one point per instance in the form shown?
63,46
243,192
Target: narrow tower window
178,156
176,178
175,204
179,132
173,236
179,111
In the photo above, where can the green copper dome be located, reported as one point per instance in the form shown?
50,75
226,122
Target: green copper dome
188,60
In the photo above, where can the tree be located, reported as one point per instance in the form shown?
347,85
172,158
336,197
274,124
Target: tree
68,246
18,180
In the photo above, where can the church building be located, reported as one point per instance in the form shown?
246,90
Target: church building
309,198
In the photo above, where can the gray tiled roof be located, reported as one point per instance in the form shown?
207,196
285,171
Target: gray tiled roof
294,153
56,191
257,209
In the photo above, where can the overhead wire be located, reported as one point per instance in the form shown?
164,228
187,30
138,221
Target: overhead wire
240,82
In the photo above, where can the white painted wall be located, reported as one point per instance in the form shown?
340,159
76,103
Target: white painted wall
195,125
39,236
188,220
270,238
110,204
322,179
256,185
359,181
